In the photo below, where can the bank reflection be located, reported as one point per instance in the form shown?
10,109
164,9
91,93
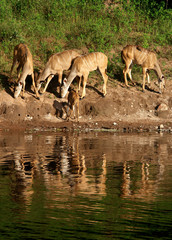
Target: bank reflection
55,163
141,178
68,175
57,167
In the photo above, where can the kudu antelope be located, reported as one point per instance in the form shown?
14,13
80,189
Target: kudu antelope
23,56
56,64
73,103
82,66
146,59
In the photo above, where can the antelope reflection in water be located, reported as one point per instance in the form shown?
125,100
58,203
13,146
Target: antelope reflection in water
56,164
146,185
21,180
70,165
72,175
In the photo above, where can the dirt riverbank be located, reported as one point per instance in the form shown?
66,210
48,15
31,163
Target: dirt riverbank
123,109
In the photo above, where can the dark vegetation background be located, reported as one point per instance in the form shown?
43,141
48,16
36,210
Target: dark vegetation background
50,26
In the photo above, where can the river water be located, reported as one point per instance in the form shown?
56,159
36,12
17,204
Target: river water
85,186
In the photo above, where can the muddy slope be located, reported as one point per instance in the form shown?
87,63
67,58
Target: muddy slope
121,108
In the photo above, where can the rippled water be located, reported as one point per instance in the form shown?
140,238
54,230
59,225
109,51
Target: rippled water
85,186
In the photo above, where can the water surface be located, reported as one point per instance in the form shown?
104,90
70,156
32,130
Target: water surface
85,186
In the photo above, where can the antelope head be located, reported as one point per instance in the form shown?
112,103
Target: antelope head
38,82
18,89
64,88
38,79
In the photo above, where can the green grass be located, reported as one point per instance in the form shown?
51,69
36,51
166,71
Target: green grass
52,26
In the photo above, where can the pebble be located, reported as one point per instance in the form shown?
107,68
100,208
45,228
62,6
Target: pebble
161,126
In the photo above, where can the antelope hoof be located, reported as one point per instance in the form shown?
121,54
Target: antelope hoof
22,97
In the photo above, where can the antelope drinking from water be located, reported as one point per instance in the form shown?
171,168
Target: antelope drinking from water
73,103
82,66
23,56
146,59
56,64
